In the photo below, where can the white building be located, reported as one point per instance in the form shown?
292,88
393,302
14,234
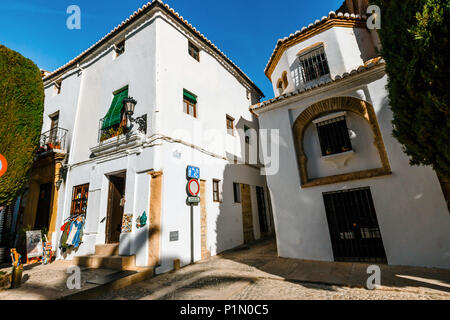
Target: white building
345,190
196,103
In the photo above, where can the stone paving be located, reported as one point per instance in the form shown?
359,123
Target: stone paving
256,273
48,282
247,273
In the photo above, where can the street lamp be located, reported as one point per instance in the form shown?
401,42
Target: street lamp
129,105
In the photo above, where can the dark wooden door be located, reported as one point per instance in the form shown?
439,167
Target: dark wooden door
247,215
115,209
263,225
352,221
43,209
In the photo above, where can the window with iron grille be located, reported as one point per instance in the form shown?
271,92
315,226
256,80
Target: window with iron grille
312,66
333,136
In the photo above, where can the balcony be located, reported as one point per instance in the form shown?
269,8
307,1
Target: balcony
53,140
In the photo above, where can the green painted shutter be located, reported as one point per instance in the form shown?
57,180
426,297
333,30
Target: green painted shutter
189,96
113,116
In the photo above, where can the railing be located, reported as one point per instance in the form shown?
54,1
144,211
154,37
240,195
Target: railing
110,132
52,140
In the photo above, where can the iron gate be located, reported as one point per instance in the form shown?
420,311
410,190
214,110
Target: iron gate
352,221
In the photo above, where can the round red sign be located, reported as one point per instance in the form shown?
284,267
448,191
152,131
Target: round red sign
194,187
3,165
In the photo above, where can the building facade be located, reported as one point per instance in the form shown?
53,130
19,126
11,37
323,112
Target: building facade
193,109
345,191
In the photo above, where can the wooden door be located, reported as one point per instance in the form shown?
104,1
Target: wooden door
115,209
43,209
247,214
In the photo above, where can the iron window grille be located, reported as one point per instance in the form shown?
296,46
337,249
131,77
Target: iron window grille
313,66
333,136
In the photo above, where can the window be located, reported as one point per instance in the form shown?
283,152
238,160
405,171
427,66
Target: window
194,51
333,136
54,118
57,87
216,190
230,125
312,66
237,192
280,86
115,121
79,200
247,134
285,80
190,103
119,48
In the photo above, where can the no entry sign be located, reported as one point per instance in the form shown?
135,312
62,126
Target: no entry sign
193,187
3,165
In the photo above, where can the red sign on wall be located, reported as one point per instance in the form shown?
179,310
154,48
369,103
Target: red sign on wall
3,165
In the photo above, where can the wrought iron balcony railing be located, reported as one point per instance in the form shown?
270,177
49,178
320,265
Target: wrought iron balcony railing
53,140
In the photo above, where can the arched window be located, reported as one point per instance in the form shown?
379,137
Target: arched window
280,86
285,80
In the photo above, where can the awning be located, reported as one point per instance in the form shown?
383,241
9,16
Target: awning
189,96
114,114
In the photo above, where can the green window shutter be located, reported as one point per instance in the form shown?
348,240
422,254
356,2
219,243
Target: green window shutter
189,96
113,116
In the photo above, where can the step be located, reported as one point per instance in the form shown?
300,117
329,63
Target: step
107,249
106,262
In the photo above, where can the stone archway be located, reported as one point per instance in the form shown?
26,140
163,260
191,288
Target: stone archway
321,108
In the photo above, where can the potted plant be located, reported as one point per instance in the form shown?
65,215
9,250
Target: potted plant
345,149
328,152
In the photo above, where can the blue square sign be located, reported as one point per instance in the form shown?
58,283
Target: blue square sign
193,172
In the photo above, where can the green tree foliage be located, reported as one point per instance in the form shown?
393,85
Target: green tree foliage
21,112
415,39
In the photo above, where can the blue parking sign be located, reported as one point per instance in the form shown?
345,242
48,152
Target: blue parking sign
193,172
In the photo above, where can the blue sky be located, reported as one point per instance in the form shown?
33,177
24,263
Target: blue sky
245,30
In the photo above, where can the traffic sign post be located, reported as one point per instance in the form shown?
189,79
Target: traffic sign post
193,190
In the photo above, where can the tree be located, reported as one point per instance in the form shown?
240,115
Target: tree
21,112
415,39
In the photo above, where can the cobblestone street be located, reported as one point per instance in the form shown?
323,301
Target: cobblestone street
255,273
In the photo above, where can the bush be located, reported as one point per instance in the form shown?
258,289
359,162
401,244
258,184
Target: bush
21,112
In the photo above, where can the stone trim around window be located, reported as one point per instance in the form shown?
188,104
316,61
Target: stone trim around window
322,108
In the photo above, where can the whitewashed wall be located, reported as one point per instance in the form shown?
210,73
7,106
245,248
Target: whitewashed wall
345,48
409,204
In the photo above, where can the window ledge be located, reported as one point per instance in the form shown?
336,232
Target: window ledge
339,160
